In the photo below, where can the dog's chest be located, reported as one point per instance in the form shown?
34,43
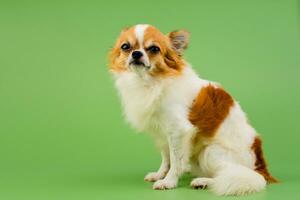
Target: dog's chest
142,103
158,105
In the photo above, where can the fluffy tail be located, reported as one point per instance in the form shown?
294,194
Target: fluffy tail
260,163
237,180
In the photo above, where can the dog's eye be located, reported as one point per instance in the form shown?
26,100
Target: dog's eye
154,49
125,46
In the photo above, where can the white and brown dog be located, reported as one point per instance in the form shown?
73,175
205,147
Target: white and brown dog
198,127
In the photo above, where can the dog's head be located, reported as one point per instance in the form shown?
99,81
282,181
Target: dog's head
144,49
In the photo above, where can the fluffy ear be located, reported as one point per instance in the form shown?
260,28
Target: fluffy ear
179,40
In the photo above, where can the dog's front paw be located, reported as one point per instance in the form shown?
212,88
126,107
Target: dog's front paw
164,184
154,176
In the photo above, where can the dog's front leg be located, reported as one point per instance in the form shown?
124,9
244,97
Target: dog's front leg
171,179
164,166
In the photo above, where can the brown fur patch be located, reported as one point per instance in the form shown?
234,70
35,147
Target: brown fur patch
209,109
260,163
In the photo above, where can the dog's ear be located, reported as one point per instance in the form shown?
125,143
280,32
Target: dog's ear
179,40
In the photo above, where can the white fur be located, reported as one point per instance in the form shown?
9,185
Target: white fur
160,106
235,179
139,32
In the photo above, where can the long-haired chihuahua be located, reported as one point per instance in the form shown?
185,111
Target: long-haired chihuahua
197,126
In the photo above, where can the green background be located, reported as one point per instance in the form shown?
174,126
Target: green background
62,135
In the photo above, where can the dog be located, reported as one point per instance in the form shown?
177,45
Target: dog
198,127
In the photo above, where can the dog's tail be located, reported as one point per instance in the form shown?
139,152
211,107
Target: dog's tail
237,180
260,163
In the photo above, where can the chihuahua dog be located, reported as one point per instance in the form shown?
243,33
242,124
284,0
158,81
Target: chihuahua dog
198,127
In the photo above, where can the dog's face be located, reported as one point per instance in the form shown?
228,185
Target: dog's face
144,49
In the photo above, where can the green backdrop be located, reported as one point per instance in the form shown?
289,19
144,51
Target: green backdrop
62,135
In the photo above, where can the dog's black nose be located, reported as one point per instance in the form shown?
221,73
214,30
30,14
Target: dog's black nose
137,55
